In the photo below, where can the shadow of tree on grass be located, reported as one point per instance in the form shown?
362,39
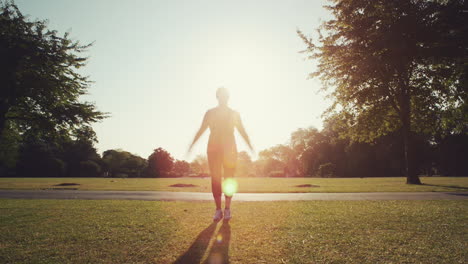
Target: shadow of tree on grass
447,186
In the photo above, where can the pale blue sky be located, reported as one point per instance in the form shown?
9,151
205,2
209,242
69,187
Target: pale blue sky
157,64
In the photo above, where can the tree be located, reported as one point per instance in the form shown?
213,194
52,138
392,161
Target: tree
244,166
40,85
89,168
78,150
181,167
49,155
314,148
119,163
269,161
195,167
305,144
282,158
200,164
451,155
393,65
37,158
9,150
159,163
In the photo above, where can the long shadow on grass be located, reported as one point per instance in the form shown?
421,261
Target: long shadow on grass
219,252
447,186
195,253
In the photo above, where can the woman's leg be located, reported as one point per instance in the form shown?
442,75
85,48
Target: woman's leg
229,164
228,173
215,162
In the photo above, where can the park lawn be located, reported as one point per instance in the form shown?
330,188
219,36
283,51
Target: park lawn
246,185
105,231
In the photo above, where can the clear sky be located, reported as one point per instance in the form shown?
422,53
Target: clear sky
157,64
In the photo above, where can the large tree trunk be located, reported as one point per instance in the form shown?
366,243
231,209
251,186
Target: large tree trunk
410,168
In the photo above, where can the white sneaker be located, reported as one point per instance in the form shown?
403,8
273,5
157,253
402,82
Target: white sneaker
227,214
218,215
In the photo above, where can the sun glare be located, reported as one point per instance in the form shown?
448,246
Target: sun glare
230,187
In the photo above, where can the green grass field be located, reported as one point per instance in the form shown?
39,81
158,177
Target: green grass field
78,231
247,185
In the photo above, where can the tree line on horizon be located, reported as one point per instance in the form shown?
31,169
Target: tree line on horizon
396,71
309,153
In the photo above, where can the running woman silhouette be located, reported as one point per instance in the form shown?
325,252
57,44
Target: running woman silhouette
222,149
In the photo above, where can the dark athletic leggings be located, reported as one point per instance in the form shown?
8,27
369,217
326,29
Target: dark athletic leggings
220,162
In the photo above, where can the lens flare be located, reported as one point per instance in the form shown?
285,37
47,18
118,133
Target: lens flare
229,187
219,238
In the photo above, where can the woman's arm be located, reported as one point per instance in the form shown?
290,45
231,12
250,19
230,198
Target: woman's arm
200,132
241,129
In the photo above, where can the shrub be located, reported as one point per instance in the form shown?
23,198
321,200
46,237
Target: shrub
327,170
121,175
171,174
276,174
54,167
89,168
202,175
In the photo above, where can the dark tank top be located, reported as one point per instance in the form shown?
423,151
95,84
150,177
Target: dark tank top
221,121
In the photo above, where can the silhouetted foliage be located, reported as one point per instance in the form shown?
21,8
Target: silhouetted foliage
327,170
40,111
160,162
181,168
38,159
276,174
43,155
10,140
244,167
451,155
395,66
40,85
123,164
324,154
200,165
76,151
268,163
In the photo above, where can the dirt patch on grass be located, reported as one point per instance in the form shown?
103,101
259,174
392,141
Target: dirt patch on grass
306,185
182,185
67,184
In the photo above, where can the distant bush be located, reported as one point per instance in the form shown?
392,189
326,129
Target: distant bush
54,167
121,175
171,174
327,170
276,174
201,175
89,168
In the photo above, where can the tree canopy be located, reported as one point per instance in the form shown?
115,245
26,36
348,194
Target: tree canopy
39,76
40,107
394,65
160,162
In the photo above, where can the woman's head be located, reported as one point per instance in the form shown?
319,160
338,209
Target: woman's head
222,94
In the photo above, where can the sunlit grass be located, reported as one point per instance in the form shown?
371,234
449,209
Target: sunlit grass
245,185
77,231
